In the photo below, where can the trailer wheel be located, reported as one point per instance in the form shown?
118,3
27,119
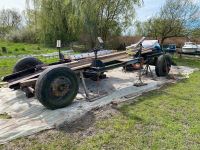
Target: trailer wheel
57,87
26,63
163,65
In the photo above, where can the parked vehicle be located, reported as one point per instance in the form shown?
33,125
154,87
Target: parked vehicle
198,50
190,47
170,48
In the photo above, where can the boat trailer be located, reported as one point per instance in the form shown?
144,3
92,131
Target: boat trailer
56,85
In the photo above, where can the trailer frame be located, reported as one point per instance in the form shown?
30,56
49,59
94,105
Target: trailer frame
28,80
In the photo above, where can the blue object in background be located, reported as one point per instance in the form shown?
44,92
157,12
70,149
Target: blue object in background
170,48
157,48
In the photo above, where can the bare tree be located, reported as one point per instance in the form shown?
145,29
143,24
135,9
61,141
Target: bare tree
176,19
9,20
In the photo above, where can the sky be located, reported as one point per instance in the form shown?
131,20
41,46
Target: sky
17,4
146,11
149,8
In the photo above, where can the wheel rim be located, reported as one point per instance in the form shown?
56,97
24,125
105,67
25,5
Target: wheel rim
60,86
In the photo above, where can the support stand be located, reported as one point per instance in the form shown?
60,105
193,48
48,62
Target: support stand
140,82
97,84
147,70
84,86
89,97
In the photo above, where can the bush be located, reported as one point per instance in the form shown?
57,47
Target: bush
23,49
4,50
13,36
24,35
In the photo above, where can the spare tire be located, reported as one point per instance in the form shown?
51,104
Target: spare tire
163,65
57,87
26,63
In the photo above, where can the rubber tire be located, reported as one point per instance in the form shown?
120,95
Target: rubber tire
26,63
43,84
160,67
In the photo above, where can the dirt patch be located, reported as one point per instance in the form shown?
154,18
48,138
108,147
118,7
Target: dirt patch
79,125
85,126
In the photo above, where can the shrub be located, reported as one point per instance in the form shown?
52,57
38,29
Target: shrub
4,50
23,49
24,35
14,36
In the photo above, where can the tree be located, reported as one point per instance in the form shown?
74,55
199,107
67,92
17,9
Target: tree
9,20
176,19
107,17
67,19
53,20
195,32
31,16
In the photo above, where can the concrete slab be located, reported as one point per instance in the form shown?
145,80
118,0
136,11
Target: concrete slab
30,117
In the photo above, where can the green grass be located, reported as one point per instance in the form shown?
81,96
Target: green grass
23,48
163,119
6,65
191,62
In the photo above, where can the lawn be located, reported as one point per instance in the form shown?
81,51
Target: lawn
23,48
15,49
6,65
163,119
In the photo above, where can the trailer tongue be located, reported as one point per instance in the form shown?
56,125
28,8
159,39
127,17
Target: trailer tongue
56,85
